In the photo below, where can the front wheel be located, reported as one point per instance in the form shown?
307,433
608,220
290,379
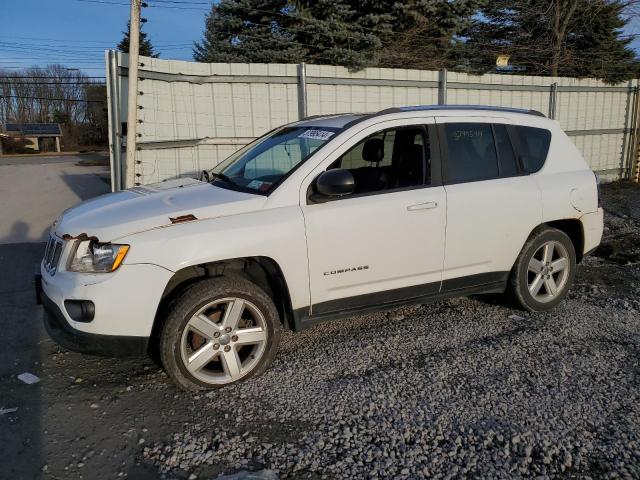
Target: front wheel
544,270
219,331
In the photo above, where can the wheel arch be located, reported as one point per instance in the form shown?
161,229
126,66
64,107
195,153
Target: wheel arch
573,228
263,271
517,285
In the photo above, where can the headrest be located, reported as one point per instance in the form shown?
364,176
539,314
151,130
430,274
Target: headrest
373,150
413,155
416,151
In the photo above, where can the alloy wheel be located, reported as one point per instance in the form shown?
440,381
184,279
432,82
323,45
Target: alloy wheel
548,271
224,340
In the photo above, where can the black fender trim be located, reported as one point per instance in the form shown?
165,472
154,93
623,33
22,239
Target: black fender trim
490,282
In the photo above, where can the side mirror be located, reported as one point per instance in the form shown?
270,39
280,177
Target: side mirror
335,183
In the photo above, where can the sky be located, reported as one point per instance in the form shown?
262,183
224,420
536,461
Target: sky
75,33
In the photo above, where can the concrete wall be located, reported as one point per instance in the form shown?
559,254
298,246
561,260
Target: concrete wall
193,115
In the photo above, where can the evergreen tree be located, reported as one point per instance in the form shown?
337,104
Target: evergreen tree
260,31
599,48
385,33
353,33
426,34
344,32
146,48
545,37
560,38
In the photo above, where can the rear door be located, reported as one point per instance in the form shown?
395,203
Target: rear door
492,205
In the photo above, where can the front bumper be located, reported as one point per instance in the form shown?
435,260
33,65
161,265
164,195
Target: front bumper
77,341
125,305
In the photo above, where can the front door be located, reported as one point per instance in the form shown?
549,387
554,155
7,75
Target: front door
385,242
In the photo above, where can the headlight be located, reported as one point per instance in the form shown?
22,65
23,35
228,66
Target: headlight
93,257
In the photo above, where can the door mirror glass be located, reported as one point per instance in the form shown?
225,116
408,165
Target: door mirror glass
335,183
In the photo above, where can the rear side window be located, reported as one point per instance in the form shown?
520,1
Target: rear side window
471,152
534,146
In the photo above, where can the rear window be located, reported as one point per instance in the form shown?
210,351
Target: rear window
534,146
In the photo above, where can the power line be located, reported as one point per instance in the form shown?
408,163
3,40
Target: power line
29,68
102,1
179,1
77,62
146,6
37,77
52,99
95,84
69,40
58,39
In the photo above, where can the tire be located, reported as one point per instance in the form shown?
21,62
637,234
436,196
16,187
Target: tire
532,288
200,348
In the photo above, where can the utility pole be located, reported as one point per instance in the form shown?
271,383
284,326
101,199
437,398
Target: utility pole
634,167
132,99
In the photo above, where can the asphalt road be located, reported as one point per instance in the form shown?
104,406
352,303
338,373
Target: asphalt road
101,157
34,190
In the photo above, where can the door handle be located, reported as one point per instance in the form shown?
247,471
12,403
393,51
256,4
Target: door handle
422,206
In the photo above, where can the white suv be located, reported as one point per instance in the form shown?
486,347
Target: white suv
316,220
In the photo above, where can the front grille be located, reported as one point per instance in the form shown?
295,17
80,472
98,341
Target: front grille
52,254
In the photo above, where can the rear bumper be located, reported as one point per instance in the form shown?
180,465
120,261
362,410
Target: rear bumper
75,340
592,226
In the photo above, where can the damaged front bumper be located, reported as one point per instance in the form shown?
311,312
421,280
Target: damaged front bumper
104,313
77,341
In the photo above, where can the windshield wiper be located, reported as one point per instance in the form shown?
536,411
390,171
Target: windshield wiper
223,177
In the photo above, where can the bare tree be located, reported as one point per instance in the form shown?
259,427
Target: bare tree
59,95
39,94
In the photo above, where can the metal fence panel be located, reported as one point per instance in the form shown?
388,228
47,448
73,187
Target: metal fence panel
194,115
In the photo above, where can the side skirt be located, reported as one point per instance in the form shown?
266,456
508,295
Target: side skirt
492,282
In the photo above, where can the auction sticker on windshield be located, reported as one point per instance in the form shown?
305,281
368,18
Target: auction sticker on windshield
316,134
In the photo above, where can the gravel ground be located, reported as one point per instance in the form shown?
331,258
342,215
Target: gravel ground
461,388
465,387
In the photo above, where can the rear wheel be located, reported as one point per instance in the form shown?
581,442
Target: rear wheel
544,270
219,331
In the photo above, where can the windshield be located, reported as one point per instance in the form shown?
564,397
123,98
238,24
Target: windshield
258,167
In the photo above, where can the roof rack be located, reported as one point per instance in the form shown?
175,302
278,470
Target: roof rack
325,115
420,108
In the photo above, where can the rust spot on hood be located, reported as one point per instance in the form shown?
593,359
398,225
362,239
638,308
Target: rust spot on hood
183,218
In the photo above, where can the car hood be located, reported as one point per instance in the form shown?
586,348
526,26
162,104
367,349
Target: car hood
138,209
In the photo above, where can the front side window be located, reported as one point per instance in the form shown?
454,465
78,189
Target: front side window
471,152
353,159
395,158
534,143
258,167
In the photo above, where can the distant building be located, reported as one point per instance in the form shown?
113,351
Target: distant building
37,137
